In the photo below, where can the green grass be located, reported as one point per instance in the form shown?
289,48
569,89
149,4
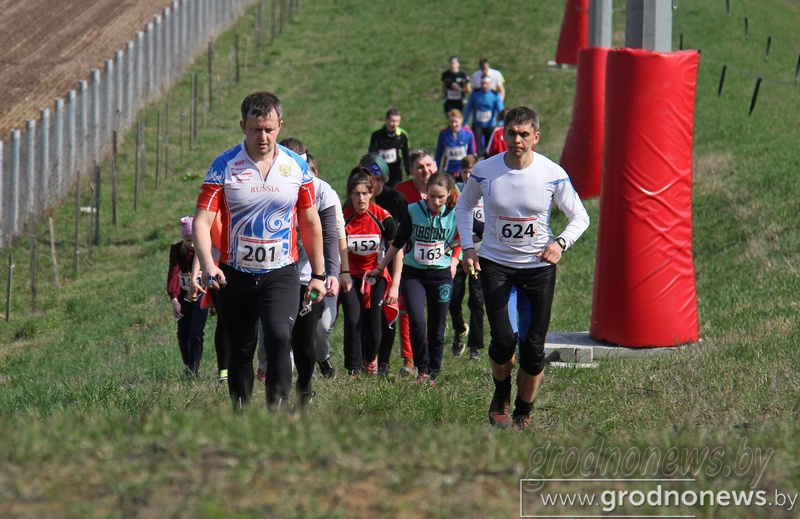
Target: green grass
96,419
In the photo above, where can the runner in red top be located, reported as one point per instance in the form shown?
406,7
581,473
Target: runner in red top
369,229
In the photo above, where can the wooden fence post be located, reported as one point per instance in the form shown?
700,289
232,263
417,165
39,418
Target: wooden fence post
53,254
8,287
77,219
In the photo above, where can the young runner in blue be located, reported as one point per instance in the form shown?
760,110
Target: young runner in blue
455,142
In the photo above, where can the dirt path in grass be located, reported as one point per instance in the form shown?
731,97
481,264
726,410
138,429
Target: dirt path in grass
46,47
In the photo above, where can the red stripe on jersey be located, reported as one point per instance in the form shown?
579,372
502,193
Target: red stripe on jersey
209,197
306,197
293,237
224,216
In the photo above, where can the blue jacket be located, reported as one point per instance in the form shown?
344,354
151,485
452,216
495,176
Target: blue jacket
484,107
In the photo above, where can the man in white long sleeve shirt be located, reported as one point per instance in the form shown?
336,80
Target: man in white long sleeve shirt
518,249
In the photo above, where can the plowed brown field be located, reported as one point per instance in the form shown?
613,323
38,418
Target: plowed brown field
46,47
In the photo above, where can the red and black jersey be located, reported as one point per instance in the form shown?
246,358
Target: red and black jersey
368,235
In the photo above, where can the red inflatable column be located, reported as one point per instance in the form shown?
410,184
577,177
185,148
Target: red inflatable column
582,157
644,286
574,32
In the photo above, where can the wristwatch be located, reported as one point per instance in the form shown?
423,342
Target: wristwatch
561,241
321,277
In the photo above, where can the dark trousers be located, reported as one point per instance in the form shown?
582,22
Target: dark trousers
273,297
190,333
454,104
538,285
303,343
475,305
387,340
483,134
362,326
221,344
431,287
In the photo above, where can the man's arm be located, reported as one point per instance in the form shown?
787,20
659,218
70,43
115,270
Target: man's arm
201,235
311,234
464,221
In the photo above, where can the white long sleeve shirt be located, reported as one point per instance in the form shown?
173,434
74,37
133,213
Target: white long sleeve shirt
517,207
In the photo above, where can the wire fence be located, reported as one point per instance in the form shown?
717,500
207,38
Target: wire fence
39,164
766,54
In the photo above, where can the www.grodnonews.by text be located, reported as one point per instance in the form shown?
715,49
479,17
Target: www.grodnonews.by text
656,499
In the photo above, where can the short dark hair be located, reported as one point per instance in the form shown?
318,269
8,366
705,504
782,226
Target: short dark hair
521,115
312,163
294,144
469,161
259,104
391,112
417,154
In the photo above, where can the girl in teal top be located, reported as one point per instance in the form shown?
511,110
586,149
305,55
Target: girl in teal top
429,239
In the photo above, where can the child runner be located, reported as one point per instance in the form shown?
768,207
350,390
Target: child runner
189,314
428,233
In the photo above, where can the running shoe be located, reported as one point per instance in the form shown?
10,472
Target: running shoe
306,399
521,422
474,354
327,369
384,369
460,341
425,380
372,367
499,414
408,369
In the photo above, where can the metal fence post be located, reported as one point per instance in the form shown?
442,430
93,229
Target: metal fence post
72,110
3,208
83,124
108,107
41,195
139,80
30,166
94,129
118,120
14,157
58,150
158,32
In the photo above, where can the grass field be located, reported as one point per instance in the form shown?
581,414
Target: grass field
96,419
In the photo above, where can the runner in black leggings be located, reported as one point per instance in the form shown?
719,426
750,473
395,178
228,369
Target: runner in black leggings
428,233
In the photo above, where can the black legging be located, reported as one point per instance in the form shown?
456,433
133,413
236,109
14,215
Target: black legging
475,305
538,285
274,297
362,326
221,344
303,343
190,333
431,287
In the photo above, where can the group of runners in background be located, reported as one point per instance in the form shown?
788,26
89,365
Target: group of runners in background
273,252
